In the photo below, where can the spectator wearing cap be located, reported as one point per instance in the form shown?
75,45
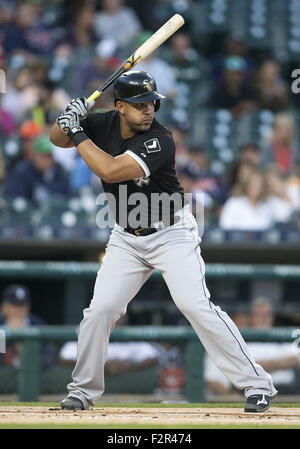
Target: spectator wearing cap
233,92
38,177
234,44
15,314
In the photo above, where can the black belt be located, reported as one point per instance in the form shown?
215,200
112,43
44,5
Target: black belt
141,232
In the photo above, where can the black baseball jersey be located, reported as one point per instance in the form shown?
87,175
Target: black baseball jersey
154,150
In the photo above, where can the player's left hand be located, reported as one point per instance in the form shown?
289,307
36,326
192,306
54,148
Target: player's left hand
78,106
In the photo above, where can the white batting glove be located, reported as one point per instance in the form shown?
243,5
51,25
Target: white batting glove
78,106
69,123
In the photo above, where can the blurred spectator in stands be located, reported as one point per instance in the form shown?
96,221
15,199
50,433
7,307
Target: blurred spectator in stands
30,32
117,22
233,92
29,131
103,64
278,359
281,146
208,182
38,177
278,198
240,317
189,68
237,173
272,90
247,159
25,17
16,100
7,121
293,187
233,45
249,152
2,167
247,208
15,314
121,357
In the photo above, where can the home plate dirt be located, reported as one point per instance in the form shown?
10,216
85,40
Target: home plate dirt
153,416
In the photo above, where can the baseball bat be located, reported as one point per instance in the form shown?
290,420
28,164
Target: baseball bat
151,44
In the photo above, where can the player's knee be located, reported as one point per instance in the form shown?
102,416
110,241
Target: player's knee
97,313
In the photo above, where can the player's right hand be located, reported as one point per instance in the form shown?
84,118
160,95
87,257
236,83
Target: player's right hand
78,106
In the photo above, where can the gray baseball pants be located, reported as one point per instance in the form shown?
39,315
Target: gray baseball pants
127,264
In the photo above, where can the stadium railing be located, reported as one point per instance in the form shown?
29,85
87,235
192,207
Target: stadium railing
29,372
76,273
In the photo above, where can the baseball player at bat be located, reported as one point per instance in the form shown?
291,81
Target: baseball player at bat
128,148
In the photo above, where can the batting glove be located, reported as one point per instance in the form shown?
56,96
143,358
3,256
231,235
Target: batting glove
69,123
78,106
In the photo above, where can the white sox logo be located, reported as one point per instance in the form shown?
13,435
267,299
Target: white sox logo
147,85
152,145
141,181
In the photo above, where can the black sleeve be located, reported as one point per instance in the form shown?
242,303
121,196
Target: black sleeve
86,124
153,151
93,123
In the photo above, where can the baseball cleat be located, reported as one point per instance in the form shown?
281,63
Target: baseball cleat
257,403
70,403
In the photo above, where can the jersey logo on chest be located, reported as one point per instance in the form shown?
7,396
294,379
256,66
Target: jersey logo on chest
152,145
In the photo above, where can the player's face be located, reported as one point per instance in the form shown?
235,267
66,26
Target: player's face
137,116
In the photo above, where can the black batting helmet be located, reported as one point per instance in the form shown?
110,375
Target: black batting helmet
137,87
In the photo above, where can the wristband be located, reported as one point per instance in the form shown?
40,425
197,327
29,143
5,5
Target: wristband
78,137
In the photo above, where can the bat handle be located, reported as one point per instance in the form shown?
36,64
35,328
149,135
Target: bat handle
94,95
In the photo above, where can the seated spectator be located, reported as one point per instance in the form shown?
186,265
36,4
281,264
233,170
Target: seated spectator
7,121
247,208
30,33
293,187
28,132
121,357
188,66
278,359
38,177
257,203
2,168
117,22
100,67
207,182
249,152
237,173
272,90
15,314
233,92
281,147
233,45
278,198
